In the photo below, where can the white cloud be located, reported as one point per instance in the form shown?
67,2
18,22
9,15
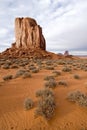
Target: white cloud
64,22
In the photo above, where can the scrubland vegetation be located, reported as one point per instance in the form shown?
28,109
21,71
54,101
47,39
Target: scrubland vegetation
55,77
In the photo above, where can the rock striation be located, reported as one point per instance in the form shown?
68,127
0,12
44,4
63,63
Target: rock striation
28,34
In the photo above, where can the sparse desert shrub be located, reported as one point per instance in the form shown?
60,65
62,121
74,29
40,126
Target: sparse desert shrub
85,69
49,77
7,77
20,73
56,73
22,63
14,66
49,62
51,83
28,103
40,67
26,75
39,93
55,65
78,97
74,64
61,62
2,62
31,64
39,62
6,66
62,82
74,96
8,62
76,76
83,101
66,69
32,67
35,70
44,93
49,67
46,107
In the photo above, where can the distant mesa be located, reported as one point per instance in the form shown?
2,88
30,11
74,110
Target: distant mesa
66,53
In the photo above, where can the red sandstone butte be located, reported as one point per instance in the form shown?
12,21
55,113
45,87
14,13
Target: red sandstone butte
28,34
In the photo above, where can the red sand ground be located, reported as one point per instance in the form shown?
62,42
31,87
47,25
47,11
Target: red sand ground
68,116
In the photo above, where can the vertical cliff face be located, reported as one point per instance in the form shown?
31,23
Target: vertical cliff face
28,34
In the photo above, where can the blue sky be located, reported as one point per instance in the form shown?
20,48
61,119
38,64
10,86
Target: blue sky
64,22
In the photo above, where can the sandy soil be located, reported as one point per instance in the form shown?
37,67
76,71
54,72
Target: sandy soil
68,115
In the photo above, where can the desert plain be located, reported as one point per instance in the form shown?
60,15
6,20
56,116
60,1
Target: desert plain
21,78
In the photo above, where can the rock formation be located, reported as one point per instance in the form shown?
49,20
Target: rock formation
29,40
28,34
66,53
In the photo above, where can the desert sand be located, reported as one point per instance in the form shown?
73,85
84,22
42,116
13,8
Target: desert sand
13,92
